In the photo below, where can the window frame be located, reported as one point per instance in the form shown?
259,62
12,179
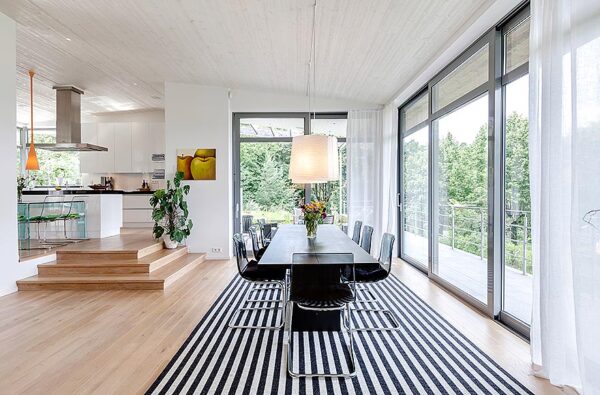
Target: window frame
237,140
422,266
494,87
510,320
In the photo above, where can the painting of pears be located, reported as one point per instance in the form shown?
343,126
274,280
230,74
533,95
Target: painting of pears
197,164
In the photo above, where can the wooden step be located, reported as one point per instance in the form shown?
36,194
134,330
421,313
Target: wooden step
122,247
113,266
156,280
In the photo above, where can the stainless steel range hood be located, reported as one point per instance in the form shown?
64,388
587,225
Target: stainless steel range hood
68,122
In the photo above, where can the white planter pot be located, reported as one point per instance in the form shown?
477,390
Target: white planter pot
170,244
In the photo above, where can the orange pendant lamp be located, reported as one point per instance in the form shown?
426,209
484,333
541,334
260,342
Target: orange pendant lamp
32,160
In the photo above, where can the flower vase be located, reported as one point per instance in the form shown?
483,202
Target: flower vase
311,228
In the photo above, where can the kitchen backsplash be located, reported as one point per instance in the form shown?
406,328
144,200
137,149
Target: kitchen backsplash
124,181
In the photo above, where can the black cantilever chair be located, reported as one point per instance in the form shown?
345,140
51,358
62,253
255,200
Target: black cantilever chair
356,232
365,240
322,294
376,273
257,248
251,271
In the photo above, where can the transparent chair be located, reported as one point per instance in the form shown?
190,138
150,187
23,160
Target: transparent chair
323,295
365,240
258,248
356,232
379,272
254,273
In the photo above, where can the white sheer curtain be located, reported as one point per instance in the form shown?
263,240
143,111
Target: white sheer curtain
565,189
371,140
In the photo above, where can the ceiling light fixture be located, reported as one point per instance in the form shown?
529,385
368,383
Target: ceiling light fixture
32,160
314,158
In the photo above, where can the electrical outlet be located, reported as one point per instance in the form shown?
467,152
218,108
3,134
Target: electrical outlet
217,249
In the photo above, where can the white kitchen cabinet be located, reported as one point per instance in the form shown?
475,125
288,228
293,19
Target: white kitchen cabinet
157,131
141,143
122,147
106,138
88,160
130,146
137,212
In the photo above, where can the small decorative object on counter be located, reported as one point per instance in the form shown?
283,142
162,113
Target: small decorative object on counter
170,213
145,186
314,213
22,183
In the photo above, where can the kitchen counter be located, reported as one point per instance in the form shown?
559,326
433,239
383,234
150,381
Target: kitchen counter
84,192
103,209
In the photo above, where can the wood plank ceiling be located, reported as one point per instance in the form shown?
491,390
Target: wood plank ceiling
122,51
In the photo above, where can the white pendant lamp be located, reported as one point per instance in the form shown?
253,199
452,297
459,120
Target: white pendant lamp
314,158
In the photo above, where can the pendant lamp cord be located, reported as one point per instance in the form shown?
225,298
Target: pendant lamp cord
31,73
312,66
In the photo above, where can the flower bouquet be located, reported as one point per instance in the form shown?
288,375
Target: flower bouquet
314,213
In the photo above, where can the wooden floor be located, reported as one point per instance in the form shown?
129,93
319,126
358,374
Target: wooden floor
117,342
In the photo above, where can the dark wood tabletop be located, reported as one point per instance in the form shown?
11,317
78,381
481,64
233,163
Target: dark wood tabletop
291,239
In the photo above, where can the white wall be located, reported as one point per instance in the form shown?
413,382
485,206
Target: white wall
199,117
10,268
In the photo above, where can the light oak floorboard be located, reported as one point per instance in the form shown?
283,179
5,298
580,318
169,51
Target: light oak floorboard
117,342
506,348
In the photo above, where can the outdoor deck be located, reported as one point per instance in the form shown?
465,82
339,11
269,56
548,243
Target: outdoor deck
469,273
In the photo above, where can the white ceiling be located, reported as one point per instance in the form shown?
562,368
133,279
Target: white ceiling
122,51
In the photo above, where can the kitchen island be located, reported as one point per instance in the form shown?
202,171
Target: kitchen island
104,209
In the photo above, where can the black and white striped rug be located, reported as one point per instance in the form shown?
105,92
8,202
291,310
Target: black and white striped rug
426,355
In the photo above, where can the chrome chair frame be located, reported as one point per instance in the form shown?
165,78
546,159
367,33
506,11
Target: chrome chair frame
346,324
259,285
395,324
281,285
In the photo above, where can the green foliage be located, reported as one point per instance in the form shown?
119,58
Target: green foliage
264,177
170,211
462,173
267,191
54,164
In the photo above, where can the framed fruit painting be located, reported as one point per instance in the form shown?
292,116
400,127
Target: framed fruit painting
197,164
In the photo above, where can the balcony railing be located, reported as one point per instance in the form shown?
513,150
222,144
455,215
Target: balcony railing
465,228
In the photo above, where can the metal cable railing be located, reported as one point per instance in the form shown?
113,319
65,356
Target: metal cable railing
465,228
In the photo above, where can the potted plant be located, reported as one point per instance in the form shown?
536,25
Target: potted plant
22,183
170,213
59,173
314,213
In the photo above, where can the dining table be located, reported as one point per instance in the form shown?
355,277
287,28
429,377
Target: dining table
330,239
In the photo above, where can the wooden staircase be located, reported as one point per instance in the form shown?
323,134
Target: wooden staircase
128,261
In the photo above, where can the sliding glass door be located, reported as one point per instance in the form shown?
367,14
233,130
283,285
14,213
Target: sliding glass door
414,216
461,192
517,264
463,197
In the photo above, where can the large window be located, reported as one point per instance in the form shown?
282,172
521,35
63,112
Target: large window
54,166
464,190
460,188
517,264
262,148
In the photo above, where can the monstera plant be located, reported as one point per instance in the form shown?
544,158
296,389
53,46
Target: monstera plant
170,212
